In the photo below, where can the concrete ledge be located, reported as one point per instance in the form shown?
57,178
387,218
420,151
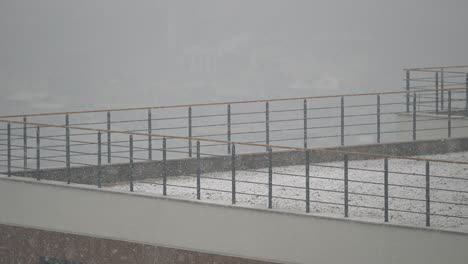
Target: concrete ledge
176,167
261,234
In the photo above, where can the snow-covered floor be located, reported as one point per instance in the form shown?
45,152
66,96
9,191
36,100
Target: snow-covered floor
449,189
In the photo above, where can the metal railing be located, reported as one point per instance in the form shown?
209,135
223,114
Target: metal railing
319,121
432,192
440,79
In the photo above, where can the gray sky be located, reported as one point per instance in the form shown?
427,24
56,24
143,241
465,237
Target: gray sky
64,54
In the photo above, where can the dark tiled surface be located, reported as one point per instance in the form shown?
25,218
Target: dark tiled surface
20,245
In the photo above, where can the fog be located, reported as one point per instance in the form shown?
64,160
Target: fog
57,55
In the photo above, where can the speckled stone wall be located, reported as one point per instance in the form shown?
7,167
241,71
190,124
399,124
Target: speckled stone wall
152,169
19,245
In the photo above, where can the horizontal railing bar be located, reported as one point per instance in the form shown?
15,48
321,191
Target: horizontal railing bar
364,206
248,113
240,143
451,216
212,104
406,211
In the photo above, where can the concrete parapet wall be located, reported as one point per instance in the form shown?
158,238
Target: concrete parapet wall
176,167
261,234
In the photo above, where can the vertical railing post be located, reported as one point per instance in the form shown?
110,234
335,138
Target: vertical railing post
378,118
99,159
131,163
449,114
305,123
346,195
67,147
109,139
442,87
25,146
414,116
229,128
267,124
190,131
437,92
198,171
386,189
233,173
407,90
38,154
307,180
428,195
466,95
9,148
150,137
164,167
270,178
342,121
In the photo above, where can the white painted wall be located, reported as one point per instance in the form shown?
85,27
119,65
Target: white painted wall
253,233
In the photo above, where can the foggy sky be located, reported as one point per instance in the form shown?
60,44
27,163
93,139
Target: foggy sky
64,54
